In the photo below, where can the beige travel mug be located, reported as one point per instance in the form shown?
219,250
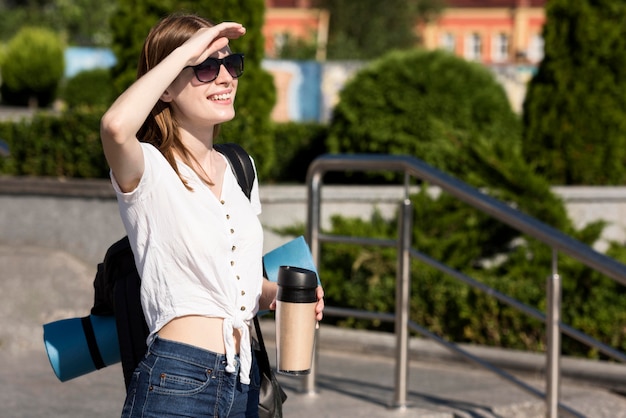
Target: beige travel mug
295,320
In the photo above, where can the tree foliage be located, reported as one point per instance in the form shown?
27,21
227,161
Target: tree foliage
432,105
366,29
575,108
81,22
32,67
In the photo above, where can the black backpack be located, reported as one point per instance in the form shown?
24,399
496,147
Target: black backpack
117,283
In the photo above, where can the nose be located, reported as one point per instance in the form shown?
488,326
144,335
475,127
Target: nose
223,76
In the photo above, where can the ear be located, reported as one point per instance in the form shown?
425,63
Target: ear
166,96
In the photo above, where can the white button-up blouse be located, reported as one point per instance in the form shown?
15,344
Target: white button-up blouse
197,254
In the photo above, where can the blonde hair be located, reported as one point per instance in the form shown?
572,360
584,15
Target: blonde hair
161,128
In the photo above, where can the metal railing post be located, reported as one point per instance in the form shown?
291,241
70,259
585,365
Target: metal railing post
553,358
403,290
313,228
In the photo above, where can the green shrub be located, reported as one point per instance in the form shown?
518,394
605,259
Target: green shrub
412,102
32,67
297,145
364,278
89,88
58,146
450,113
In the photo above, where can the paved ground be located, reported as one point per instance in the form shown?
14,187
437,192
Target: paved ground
355,373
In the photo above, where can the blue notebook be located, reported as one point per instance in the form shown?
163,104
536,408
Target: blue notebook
295,253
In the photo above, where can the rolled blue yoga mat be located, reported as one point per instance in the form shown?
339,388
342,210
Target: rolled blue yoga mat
78,346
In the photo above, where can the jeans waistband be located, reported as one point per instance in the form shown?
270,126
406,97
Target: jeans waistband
188,353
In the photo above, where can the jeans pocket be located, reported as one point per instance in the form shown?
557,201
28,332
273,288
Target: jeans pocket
172,377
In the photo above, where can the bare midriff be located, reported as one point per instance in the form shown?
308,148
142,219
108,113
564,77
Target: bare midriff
199,331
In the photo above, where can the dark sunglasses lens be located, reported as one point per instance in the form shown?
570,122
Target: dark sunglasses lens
234,65
207,71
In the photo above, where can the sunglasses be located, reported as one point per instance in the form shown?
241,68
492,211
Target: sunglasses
209,69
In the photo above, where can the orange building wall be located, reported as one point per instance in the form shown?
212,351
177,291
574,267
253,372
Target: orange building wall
519,24
521,20
308,24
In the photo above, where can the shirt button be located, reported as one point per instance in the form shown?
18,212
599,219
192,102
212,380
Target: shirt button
243,293
232,263
232,231
243,308
222,202
238,278
234,248
227,216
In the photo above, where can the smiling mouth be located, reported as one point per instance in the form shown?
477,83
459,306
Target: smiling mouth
220,97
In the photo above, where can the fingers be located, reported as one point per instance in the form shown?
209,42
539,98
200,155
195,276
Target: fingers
208,41
319,307
319,291
222,33
217,44
230,30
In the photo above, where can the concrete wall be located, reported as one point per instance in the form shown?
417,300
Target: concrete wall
81,217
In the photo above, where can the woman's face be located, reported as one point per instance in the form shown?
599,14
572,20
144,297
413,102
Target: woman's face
204,103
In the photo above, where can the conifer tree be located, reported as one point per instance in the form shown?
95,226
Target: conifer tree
575,108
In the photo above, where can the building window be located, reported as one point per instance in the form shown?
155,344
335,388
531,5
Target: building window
473,47
447,42
500,48
535,49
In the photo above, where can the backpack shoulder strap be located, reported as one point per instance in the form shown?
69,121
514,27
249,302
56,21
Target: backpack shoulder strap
240,163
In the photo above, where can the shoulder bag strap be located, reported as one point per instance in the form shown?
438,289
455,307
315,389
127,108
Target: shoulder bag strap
263,359
240,163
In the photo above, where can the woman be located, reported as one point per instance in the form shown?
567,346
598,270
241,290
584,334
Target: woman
196,237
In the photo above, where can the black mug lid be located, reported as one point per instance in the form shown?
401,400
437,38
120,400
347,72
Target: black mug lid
296,278
296,285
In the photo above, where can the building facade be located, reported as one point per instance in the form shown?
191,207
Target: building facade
297,19
489,31
505,35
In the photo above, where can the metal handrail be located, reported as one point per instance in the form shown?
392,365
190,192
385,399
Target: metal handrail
557,240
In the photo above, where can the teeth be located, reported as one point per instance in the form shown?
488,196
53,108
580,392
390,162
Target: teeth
225,96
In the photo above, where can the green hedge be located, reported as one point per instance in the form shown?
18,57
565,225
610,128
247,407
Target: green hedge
89,88
362,277
68,144
59,146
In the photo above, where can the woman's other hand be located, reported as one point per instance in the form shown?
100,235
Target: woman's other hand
319,308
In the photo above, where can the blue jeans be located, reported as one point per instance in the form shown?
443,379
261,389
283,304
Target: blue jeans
180,380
